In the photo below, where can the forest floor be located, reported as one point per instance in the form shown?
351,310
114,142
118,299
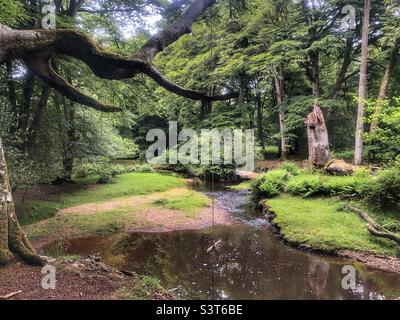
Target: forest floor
86,279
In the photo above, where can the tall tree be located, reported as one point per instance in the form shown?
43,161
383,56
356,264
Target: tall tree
362,89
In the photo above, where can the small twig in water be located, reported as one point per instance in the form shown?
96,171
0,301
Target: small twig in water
214,246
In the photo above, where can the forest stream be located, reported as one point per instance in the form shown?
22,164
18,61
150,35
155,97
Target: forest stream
248,262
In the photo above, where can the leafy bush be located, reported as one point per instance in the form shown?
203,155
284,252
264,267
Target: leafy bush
385,191
102,167
345,154
143,167
318,185
220,173
290,167
25,172
305,185
270,184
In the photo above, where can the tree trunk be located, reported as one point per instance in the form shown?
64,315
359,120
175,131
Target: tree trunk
317,135
343,70
259,111
68,157
314,57
12,237
362,91
34,128
280,96
384,86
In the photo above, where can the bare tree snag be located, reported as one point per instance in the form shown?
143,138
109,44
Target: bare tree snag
12,237
317,135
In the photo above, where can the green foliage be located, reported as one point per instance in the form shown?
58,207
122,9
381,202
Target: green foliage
34,211
25,171
384,143
289,178
385,191
11,12
290,167
306,185
220,173
143,288
318,185
344,154
142,167
270,184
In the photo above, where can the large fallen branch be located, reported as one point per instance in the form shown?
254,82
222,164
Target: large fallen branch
38,47
374,228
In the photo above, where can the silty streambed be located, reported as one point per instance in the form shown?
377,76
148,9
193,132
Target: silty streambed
249,263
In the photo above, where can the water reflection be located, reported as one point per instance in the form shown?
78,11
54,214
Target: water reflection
249,263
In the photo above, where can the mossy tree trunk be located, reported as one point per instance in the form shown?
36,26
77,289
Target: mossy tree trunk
12,237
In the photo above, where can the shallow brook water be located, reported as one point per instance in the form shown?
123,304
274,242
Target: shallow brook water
249,262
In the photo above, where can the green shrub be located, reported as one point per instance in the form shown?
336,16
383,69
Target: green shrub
102,167
290,167
270,184
143,167
318,185
305,185
345,154
220,173
385,191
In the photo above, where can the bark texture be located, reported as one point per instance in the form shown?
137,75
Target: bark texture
362,90
318,141
280,96
12,237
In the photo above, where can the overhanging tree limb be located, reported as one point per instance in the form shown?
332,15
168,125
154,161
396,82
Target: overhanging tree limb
38,47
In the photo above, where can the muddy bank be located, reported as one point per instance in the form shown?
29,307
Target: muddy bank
381,262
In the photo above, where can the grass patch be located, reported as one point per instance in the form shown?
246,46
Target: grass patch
83,225
129,184
33,211
322,224
143,288
188,201
245,185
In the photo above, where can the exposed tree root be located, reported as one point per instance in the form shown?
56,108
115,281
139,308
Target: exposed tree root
374,228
